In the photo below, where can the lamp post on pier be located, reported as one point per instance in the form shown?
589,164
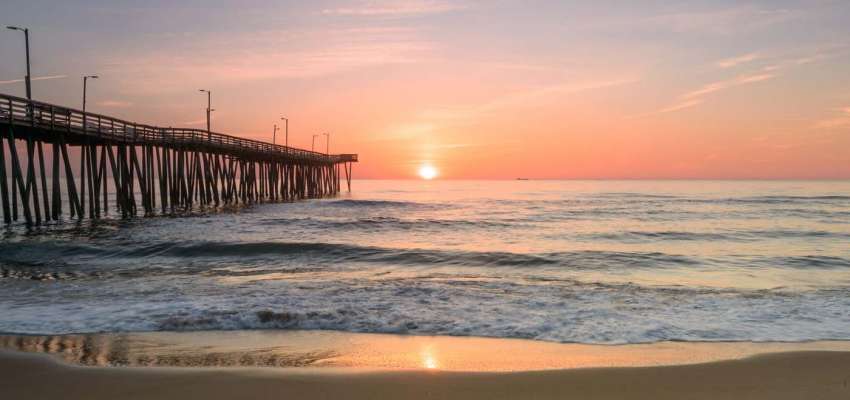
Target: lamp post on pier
327,143
313,146
26,32
85,84
209,109
286,132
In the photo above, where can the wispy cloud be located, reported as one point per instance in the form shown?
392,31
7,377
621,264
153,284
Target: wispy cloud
724,22
396,8
841,120
467,113
36,78
726,84
513,66
696,97
763,73
273,55
676,107
432,120
735,61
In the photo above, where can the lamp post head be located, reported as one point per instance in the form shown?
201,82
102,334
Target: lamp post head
14,28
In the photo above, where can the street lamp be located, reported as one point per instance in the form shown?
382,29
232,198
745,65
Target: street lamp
209,106
286,129
327,143
85,82
313,146
274,135
27,42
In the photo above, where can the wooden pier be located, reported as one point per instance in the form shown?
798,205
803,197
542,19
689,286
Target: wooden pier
131,168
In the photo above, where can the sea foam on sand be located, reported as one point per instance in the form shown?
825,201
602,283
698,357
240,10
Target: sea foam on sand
328,350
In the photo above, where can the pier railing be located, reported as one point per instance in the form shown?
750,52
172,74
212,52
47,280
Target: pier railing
17,111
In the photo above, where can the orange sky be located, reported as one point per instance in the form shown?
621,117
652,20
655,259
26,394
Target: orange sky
498,89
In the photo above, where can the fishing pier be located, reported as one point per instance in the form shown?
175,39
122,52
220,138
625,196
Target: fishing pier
132,169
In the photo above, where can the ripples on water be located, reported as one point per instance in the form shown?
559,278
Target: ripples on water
596,262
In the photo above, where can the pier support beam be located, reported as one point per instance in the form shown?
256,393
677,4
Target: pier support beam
153,170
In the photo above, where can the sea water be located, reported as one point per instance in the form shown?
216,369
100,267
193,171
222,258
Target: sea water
564,261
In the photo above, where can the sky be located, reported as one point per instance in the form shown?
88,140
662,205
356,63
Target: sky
477,89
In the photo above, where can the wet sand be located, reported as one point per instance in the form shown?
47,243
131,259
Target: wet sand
330,349
332,365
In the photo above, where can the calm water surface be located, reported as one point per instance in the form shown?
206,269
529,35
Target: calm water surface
568,261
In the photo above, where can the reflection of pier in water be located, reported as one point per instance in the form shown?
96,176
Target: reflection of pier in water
126,350
166,170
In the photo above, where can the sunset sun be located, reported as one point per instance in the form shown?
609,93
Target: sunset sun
427,172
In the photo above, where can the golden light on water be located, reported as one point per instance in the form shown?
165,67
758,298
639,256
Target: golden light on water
429,358
427,171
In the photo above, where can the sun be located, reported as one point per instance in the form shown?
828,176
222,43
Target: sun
427,171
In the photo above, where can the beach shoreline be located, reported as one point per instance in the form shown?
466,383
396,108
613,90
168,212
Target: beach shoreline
320,349
205,365
789,375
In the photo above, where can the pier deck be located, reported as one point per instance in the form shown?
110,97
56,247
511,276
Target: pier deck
177,168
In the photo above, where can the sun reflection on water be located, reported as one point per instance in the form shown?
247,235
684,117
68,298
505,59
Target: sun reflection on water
429,358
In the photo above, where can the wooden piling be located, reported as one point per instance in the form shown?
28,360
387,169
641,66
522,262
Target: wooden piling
4,189
153,170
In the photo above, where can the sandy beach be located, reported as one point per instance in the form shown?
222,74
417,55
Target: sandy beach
821,375
331,365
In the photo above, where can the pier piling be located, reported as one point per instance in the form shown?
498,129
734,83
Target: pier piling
152,169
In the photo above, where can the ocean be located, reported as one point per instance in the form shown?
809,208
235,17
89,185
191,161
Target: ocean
603,262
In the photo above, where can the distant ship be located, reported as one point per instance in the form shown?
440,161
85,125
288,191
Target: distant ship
522,179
